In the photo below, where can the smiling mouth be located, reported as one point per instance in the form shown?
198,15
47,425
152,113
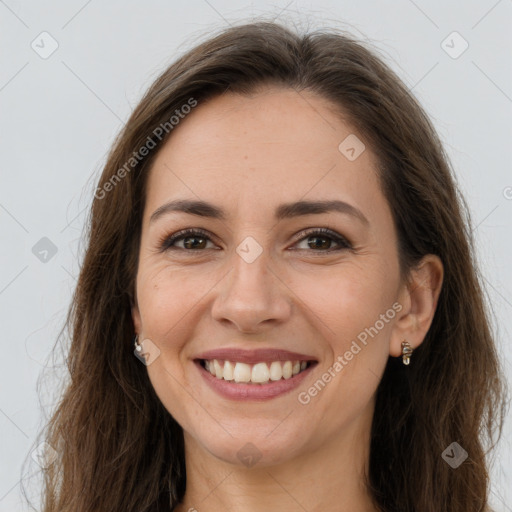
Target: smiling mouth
258,374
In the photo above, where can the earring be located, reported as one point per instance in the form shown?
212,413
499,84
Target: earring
406,352
138,347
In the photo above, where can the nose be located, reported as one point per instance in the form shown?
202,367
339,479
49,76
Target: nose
253,296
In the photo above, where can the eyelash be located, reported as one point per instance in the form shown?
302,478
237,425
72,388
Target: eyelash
166,242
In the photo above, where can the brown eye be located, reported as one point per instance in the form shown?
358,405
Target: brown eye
320,240
198,242
193,239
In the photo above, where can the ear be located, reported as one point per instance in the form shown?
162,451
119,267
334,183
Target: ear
418,297
137,322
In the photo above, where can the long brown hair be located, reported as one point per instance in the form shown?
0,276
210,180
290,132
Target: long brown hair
117,447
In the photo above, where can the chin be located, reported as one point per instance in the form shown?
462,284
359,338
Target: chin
258,445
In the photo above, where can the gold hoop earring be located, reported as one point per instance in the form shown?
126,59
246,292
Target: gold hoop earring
406,352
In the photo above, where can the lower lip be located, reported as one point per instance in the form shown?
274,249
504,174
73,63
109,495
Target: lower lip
242,391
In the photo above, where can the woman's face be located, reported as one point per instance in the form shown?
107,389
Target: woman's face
259,282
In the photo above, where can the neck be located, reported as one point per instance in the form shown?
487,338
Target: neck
329,477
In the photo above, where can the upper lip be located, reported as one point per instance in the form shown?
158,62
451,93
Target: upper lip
254,356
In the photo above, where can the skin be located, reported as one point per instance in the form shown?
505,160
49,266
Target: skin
248,154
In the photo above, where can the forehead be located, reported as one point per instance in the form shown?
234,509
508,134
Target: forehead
262,149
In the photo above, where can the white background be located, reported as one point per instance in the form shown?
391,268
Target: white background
59,116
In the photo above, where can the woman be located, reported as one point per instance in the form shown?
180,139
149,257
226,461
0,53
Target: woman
279,307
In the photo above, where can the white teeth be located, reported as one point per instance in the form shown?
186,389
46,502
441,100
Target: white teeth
242,372
218,369
228,370
260,373
287,369
276,371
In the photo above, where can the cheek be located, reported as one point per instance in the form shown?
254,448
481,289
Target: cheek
347,299
167,299
360,319
164,303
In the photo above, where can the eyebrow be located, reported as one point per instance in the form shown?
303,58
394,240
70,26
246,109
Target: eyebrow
283,211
